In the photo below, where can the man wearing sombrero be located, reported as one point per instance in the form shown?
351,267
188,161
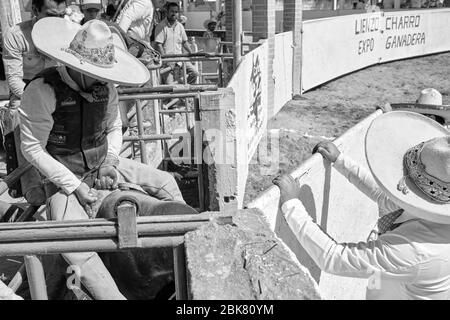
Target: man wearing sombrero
409,158
71,130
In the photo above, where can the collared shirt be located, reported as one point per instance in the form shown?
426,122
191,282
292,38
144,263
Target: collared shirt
21,59
171,37
410,262
136,17
36,122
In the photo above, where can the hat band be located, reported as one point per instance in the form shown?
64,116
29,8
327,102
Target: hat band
100,57
431,186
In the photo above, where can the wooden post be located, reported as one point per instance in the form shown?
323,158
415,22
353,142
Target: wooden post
36,278
237,32
292,18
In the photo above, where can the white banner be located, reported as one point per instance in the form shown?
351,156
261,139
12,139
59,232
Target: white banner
335,46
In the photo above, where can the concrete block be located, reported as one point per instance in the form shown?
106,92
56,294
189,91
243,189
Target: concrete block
244,260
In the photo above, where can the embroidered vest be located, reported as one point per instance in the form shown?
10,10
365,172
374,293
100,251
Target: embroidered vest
78,137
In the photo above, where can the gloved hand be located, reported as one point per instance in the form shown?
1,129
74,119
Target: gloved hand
289,188
328,150
107,178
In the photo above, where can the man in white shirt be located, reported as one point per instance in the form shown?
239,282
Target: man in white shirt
71,130
171,38
410,258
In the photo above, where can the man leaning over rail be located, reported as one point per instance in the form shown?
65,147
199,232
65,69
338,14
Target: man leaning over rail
409,157
71,130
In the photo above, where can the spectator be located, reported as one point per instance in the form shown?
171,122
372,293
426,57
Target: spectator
210,26
91,9
22,62
170,38
136,19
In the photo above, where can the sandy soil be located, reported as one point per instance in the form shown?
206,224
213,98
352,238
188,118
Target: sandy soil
330,110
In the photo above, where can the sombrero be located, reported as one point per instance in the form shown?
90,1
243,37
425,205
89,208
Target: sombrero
208,21
409,157
88,49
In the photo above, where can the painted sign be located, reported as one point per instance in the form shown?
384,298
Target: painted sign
333,47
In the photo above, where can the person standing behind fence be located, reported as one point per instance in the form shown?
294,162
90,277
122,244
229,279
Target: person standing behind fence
22,62
170,38
136,19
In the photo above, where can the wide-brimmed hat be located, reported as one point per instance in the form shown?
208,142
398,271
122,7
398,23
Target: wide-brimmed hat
409,157
208,21
430,96
88,49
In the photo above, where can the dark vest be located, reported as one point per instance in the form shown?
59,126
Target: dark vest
78,137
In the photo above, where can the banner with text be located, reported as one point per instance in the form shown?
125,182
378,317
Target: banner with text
333,47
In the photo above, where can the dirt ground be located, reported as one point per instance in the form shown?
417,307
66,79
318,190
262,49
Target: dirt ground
328,111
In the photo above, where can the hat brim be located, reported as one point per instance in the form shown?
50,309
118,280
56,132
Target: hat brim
207,22
59,32
387,140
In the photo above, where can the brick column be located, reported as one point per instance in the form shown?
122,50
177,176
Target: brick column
292,18
263,27
229,20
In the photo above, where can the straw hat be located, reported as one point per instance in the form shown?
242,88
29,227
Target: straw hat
208,21
430,96
88,49
409,156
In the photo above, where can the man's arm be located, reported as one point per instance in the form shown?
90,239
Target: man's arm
356,175
36,122
392,254
160,38
114,128
184,40
13,49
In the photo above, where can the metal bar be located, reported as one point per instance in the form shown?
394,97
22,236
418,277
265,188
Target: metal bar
202,217
155,96
36,277
198,154
98,232
18,278
179,262
140,120
175,111
170,88
194,59
184,74
82,245
237,31
197,55
148,137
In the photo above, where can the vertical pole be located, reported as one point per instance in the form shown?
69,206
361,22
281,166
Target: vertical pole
334,5
139,119
237,31
198,154
293,21
36,278
10,15
179,261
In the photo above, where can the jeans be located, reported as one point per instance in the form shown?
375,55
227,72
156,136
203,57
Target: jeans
63,207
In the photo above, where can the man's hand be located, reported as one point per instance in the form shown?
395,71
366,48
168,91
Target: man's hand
86,195
107,178
328,150
289,188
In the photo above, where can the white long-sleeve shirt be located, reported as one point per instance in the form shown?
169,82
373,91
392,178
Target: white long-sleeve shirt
36,122
410,262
